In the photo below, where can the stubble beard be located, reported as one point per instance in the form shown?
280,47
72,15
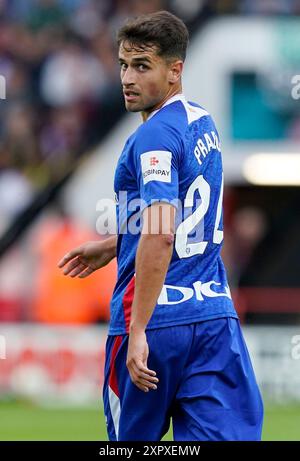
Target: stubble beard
137,108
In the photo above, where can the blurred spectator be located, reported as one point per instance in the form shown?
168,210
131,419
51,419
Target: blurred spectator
147,6
15,194
268,6
86,20
62,133
19,136
60,299
105,50
13,285
187,10
70,75
45,13
247,228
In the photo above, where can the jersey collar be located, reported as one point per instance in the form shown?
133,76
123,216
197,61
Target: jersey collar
176,97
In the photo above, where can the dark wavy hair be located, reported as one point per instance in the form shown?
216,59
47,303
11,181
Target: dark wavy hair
162,29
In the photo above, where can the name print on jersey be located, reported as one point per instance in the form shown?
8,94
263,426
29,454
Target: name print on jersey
205,144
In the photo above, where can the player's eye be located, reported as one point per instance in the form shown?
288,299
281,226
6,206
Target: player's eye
123,66
142,67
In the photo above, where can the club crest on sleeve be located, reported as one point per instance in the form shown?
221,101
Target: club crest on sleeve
156,166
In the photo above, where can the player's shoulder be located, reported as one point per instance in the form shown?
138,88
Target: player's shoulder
196,113
182,113
161,122
159,130
203,120
168,125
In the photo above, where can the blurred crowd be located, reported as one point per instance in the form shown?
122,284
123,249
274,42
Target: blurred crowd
58,58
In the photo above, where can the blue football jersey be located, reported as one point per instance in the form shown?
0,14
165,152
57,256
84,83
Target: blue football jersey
173,157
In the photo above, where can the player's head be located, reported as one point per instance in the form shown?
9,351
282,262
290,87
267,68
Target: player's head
152,49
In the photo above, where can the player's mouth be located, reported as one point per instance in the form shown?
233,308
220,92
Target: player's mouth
130,95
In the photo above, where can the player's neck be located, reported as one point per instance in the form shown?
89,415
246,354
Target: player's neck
169,95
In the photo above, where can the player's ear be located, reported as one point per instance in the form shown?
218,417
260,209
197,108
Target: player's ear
175,71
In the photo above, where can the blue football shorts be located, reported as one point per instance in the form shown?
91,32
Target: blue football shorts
206,385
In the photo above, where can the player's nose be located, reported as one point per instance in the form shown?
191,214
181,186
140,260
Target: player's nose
128,77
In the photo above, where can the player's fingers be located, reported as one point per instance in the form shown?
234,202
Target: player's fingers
145,369
146,383
141,375
72,265
67,257
149,379
86,273
81,267
141,387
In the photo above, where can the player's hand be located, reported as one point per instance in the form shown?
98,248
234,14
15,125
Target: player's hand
87,258
136,362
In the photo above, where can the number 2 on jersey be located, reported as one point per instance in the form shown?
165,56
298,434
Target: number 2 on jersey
183,248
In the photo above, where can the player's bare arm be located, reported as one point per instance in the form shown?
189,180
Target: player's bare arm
153,256
87,258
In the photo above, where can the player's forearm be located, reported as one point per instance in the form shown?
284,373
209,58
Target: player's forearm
152,261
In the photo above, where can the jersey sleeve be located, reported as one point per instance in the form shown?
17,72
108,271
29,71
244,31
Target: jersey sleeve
157,159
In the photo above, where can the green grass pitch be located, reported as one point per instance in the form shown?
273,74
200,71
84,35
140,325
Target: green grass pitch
24,421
